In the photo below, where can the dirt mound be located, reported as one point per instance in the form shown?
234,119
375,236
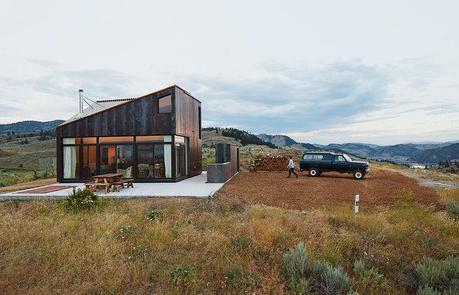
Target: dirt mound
271,163
379,188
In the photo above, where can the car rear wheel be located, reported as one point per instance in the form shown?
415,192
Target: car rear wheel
313,172
359,174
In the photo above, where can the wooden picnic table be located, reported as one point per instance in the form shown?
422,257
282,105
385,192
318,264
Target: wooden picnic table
106,180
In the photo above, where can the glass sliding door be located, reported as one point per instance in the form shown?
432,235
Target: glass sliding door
181,156
154,161
89,165
116,159
145,161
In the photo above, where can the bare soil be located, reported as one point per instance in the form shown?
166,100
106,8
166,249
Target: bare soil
379,188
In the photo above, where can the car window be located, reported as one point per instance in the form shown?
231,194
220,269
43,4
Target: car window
313,157
340,159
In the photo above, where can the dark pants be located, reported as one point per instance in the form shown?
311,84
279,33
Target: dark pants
290,171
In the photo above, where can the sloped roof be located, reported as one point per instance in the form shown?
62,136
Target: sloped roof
102,105
96,107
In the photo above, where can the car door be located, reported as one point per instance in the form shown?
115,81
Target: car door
326,162
340,164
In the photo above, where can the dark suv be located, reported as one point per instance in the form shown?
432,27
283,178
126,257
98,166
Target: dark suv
317,162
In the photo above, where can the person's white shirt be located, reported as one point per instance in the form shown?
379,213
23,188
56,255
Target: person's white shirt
291,164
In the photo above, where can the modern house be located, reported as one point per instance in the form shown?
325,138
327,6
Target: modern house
153,138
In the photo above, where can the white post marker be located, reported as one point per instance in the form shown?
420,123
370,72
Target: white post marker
356,203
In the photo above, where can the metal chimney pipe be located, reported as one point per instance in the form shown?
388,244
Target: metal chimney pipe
80,94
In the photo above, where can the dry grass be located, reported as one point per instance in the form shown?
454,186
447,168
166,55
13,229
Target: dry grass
228,247
230,244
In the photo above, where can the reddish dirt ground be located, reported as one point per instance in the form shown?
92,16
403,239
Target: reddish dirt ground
379,188
48,189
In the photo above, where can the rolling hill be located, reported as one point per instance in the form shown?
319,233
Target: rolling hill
284,141
29,126
441,154
213,135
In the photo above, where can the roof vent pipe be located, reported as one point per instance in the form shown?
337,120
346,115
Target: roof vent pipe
80,94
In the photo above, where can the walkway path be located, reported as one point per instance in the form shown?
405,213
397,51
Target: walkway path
191,187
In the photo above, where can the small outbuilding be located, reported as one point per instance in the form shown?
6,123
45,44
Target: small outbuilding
153,138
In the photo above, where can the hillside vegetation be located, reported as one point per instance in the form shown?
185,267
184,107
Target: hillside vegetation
29,126
26,157
242,137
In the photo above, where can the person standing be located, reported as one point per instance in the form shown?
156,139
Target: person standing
291,167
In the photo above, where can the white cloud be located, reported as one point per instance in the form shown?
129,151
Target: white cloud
378,72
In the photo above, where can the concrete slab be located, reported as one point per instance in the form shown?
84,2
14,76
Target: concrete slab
192,187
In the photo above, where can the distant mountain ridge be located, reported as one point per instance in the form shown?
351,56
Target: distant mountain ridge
29,126
426,153
440,154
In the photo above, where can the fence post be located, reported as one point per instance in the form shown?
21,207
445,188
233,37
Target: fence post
356,203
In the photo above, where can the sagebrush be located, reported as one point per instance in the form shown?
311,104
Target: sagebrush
81,199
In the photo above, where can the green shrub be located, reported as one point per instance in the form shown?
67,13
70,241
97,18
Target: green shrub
452,207
427,291
296,268
181,274
371,273
81,200
302,276
155,214
439,275
370,278
330,279
237,277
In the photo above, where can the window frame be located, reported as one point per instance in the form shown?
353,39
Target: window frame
170,105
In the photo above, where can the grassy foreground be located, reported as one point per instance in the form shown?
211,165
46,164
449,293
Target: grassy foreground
209,246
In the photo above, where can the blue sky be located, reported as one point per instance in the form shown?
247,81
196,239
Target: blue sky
320,71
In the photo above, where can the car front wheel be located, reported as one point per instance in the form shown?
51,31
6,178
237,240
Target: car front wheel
313,172
359,174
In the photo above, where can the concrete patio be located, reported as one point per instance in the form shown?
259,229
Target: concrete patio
192,187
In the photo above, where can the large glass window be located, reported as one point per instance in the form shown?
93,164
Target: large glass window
181,156
154,161
165,104
89,165
116,159
145,161
81,159
71,162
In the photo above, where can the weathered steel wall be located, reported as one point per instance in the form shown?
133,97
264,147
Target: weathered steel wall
219,172
227,153
137,117
188,124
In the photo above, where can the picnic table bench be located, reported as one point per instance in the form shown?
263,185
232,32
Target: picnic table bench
106,181
124,182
